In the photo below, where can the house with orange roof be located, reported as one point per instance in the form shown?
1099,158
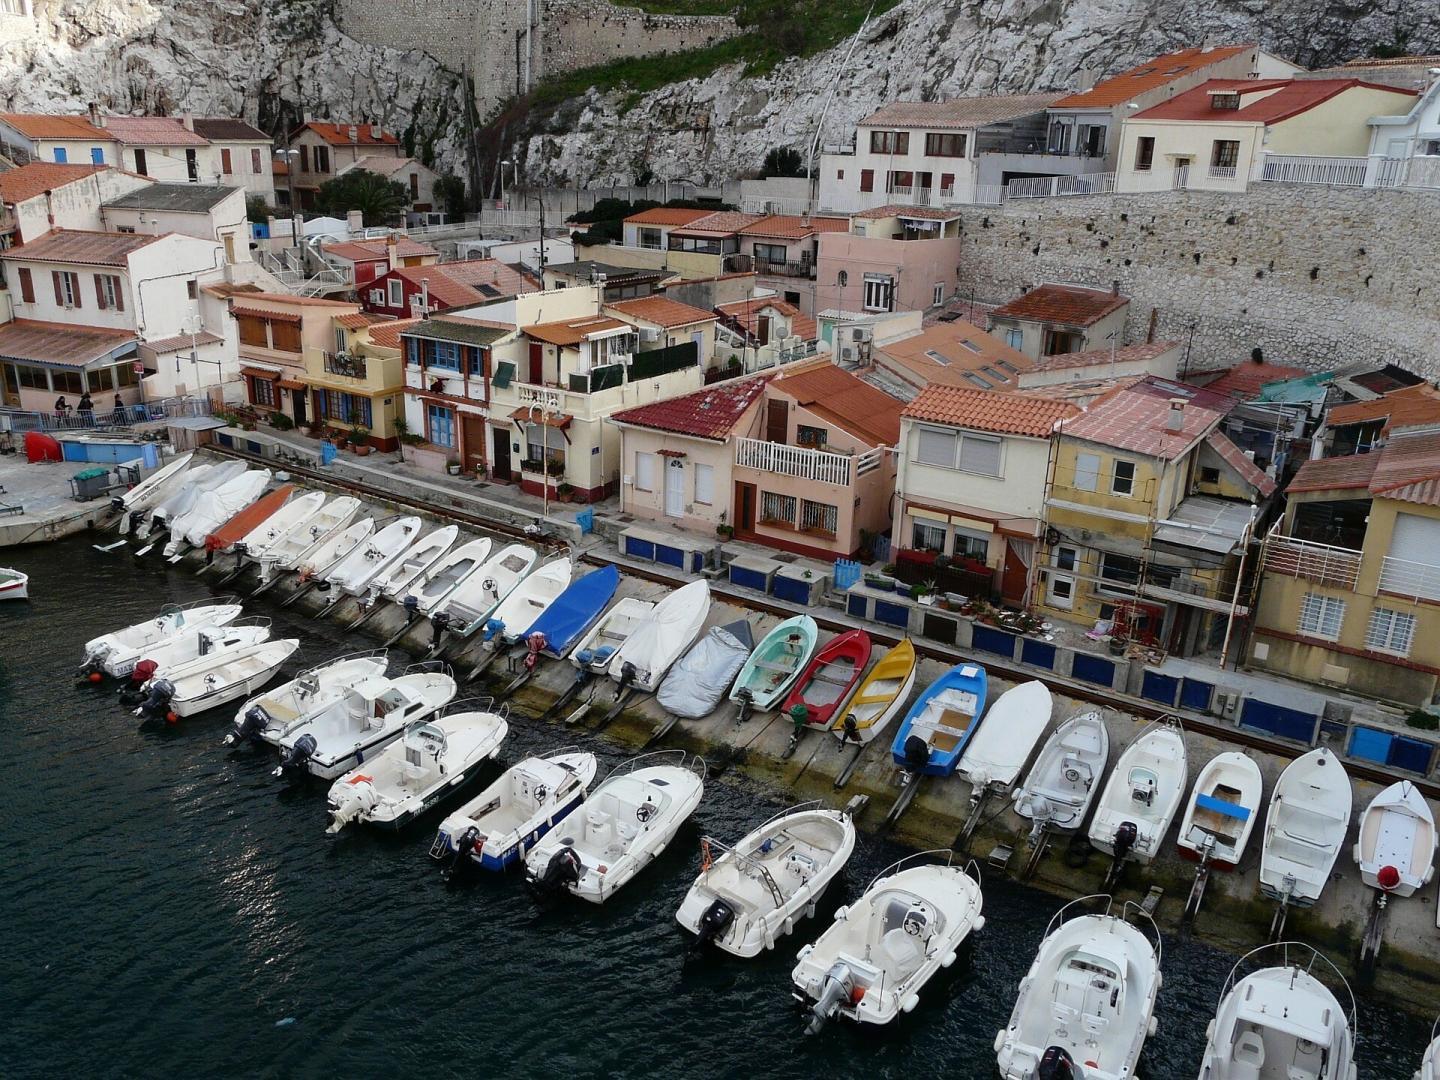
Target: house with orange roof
650,229
1053,318
800,459
323,149
408,291
41,196
785,252
893,258
1350,576
769,330
953,353
73,140
362,261
1225,134
1358,427
971,482
357,382
1149,512
165,148
276,333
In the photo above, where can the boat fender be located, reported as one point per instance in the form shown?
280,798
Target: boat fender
947,959
908,1005
841,913
1055,1064
979,924
999,1039
1152,1026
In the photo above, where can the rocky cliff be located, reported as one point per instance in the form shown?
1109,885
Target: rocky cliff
256,57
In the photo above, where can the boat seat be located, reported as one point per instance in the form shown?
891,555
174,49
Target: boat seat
625,831
597,826
902,953
1248,1057
800,864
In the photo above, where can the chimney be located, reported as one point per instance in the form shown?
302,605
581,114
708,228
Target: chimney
425,294
1085,79
355,221
1115,287
95,118
354,133
187,120
392,250
1176,418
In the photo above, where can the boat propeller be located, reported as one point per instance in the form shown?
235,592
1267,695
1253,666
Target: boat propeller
293,763
470,843
255,720
713,922
747,704
561,872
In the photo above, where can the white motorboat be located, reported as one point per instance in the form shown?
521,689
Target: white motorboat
597,648
156,487
194,642
351,575
410,569
1305,830
421,598
432,758
294,515
1430,1063
208,682
1087,1004
1065,778
749,896
265,717
470,603
1282,1022
116,653
872,962
286,551
324,555
202,478
1002,745
1396,847
1224,806
529,600
497,827
1143,795
213,509
627,821
353,727
14,585
661,637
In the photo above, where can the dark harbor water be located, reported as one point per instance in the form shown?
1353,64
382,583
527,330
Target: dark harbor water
169,909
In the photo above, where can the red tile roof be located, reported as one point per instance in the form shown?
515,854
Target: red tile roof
81,246
370,250
491,277
1407,469
1244,380
387,334
746,315
965,112
58,343
1067,304
1413,405
1333,474
711,413
956,353
1290,97
1233,456
153,131
573,331
44,126
667,215
980,410
1145,351
661,310
1160,71
164,346
844,400
287,298
38,177
339,134
1134,418
720,223
228,129
927,213
443,289
795,227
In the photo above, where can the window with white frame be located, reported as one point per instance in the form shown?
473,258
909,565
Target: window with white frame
819,517
879,292
1390,631
1087,472
397,292
644,472
777,509
1321,616
937,296
377,297
704,484
928,536
1122,480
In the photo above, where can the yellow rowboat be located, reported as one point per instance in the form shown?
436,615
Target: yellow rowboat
881,697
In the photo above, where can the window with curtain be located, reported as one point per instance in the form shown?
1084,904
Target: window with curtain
441,423
1321,616
262,391
928,536
704,484
971,545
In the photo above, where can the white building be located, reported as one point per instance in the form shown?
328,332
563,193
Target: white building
74,140
1408,145
206,211
41,196
246,154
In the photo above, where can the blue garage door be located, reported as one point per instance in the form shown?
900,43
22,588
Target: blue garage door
1160,688
988,639
1038,653
1093,669
1278,720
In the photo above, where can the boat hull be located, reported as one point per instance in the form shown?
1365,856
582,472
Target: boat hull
16,587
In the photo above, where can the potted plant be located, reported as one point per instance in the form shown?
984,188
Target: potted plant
360,441
281,422
481,470
564,492
554,467
1117,644
452,466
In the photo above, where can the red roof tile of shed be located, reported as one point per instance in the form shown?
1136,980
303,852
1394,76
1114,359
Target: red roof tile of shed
706,414
845,400
1007,414
1233,456
38,177
1243,381
667,215
58,343
660,310
1333,474
45,126
1134,418
1068,304
81,246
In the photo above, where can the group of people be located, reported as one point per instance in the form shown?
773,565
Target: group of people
85,409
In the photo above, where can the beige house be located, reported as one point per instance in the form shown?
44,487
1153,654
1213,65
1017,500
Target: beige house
322,150
358,382
1052,319
971,484
417,178
663,323
276,333
246,154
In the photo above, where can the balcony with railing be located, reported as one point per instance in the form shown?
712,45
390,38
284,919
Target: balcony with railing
1311,169
820,465
785,269
1410,579
349,365
1324,564
1222,172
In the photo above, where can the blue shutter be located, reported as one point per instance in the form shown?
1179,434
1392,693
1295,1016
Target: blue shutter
60,155
97,155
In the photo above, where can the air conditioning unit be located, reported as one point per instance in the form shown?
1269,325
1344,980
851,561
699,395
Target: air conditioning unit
861,333
847,354
649,333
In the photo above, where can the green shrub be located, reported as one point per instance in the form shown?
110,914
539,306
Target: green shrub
1425,721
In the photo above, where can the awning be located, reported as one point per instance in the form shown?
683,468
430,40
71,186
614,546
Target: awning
261,313
29,341
260,373
292,384
672,453
523,415
504,372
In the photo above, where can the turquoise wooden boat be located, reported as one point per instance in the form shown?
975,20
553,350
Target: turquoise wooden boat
774,666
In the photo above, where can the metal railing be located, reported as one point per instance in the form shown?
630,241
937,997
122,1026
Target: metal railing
1222,172
347,364
23,420
821,465
1309,169
1405,577
1322,563
785,269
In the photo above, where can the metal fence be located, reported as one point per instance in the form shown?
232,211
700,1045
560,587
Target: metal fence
23,420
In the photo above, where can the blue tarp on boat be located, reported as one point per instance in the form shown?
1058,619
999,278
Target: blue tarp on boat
564,621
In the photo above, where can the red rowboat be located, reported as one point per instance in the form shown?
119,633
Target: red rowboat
829,679
240,526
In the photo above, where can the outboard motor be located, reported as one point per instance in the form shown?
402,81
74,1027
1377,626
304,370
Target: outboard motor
850,729
348,801
493,629
134,693
714,920
439,623
157,702
469,844
1126,833
534,644
292,764
747,702
93,669
838,987
411,604
561,872
249,726
917,753
1056,1064
627,676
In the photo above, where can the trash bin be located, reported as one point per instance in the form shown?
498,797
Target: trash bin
90,483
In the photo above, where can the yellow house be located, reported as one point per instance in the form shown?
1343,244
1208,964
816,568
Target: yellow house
1220,134
1350,592
1148,510
359,381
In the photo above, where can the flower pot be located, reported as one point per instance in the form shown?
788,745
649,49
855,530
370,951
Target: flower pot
361,450
453,470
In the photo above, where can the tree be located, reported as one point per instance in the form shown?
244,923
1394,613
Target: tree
450,192
379,200
782,161
257,209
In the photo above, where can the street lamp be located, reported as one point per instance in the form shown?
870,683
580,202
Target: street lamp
502,180
289,153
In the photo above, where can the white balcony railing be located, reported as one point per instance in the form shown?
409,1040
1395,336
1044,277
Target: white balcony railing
1222,172
819,465
546,397
1404,577
1323,563
1307,169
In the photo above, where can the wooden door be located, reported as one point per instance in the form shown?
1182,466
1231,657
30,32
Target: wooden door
297,397
777,421
1015,573
744,508
472,438
537,363
500,460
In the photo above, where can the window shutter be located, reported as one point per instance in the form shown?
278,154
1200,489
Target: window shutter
100,292
27,285
936,448
867,179
980,455
645,472
75,290
704,483
59,291
225,160
119,293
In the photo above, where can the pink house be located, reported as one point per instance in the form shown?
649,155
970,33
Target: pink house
894,258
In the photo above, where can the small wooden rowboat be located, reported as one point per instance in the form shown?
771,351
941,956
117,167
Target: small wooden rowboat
247,520
827,681
880,697
774,665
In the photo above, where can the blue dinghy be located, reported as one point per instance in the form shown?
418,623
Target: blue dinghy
565,621
938,726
